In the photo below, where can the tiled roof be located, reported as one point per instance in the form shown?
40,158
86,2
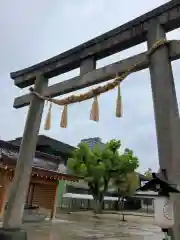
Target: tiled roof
41,160
53,143
9,154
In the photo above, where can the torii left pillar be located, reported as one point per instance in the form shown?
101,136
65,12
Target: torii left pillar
13,215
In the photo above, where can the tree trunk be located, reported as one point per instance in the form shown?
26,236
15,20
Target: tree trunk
99,204
98,195
118,202
122,208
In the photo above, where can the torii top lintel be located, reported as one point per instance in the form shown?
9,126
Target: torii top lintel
120,38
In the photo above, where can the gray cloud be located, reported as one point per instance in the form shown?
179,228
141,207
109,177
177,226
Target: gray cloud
32,31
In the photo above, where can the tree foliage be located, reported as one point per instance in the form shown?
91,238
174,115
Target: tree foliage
100,166
127,184
148,173
127,181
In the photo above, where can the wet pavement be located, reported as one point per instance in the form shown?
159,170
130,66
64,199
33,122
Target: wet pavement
83,227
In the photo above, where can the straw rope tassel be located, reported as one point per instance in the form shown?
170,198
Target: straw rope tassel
94,116
47,124
64,117
118,103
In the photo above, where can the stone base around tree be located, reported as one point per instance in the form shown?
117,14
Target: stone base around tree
13,234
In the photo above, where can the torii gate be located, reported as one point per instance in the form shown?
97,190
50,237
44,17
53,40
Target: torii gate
150,27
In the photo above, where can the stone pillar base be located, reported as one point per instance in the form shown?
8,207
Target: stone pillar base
12,234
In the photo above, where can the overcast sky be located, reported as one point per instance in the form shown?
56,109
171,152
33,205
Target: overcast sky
32,31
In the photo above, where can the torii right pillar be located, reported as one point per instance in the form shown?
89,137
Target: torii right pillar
166,114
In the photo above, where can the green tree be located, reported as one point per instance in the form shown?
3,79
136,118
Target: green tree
148,174
126,187
99,167
127,181
128,184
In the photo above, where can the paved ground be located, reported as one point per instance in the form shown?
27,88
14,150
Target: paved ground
82,226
